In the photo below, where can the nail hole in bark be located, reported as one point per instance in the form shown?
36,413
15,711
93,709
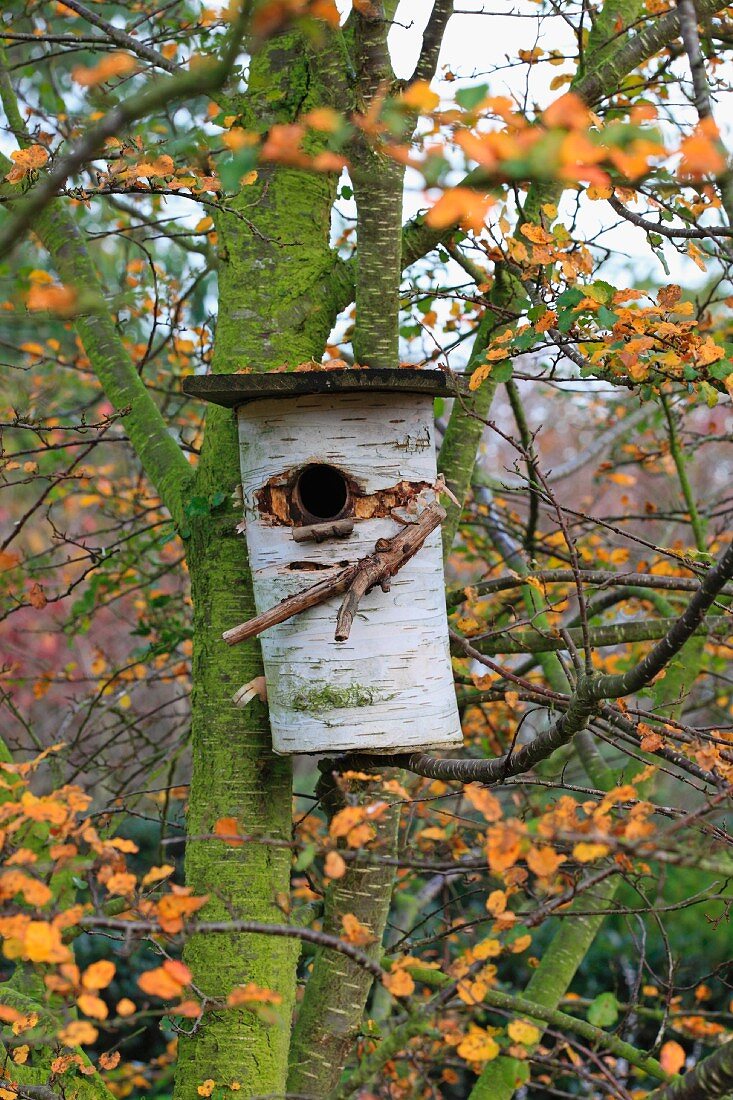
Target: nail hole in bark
321,493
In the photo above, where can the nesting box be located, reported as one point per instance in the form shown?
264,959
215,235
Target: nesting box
329,460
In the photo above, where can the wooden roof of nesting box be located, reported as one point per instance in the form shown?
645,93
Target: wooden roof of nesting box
332,462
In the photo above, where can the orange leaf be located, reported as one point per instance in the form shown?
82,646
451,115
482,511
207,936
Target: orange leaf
543,861
78,1032
172,909
335,865
503,846
252,994
585,852
399,982
114,64
460,206
60,300
93,1006
484,801
345,820
25,161
228,829
672,1057
98,975
166,981
354,931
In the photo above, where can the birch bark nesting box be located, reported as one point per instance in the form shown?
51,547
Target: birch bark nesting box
331,461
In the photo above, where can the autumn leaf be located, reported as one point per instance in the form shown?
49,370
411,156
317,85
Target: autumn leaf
496,902
42,943
345,820
478,1045
156,874
399,982
484,801
114,64
462,206
77,1033
98,975
227,829
355,932
25,161
420,97
252,994
521,1031
672,1057
166,981
503,845
174,908
92,1006
543,861
61,300
585,852
37,597
701,152
334,865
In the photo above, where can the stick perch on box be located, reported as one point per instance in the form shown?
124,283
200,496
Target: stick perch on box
355,580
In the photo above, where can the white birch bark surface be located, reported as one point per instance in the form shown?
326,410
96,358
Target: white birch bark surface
389,687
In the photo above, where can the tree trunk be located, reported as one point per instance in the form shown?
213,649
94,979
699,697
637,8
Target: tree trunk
270,264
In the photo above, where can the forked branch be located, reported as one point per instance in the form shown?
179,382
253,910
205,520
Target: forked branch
355,580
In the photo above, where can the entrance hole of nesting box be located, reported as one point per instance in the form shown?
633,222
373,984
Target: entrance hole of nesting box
320,493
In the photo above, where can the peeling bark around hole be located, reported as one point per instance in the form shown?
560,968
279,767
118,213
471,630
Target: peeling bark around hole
276,504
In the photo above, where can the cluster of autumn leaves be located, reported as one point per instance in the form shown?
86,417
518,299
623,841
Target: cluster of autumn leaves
49,842
618,333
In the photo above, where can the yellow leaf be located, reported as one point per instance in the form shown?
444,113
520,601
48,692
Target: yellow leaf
487,949
155,874
543,861
496,902
204,225
420,97
20,1054
478,1046
585,852
523,1032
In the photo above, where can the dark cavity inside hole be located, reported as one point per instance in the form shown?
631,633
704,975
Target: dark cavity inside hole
321,493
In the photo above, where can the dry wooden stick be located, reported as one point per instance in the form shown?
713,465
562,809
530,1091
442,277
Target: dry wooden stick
355,580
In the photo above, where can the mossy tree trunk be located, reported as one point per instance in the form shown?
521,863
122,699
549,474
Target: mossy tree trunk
269,266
